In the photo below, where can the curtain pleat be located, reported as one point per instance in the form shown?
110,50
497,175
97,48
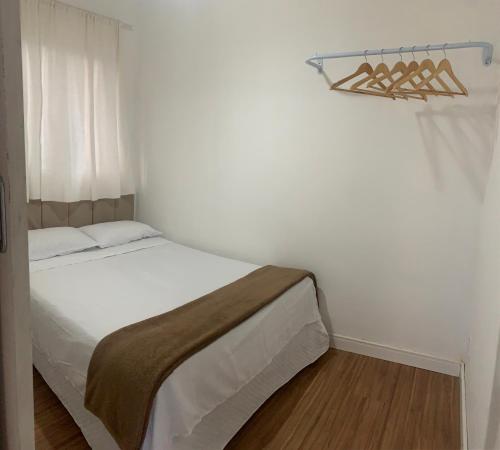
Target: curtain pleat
74,146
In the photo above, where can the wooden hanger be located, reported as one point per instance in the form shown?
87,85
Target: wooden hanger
399,67
403,70
445,67
407,76
374,77
379,79
413,67
425,65
363,68
366,69
381,69
410,68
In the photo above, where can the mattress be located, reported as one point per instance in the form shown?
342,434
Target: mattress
79,299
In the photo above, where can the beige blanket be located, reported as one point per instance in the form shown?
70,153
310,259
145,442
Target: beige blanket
129,366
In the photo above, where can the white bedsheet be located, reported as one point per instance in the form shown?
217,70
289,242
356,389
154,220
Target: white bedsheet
79,299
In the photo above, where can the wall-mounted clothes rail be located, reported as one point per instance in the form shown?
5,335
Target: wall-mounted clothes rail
317,61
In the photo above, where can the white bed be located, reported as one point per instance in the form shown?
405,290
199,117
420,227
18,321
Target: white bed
78,299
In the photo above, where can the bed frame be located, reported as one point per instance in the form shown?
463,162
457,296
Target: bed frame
53,214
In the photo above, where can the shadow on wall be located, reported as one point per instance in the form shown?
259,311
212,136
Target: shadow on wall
493,431
465,132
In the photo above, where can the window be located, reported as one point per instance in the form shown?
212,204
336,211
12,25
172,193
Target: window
74,144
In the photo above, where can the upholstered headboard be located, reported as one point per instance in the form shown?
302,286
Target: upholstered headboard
53,214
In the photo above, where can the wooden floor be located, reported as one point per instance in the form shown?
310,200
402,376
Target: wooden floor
343,401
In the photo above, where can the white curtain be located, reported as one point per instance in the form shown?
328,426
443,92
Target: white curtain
74,145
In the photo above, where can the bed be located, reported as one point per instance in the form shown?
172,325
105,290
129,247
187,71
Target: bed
80,298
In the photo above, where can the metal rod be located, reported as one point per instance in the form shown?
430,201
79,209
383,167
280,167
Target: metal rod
317,60
124,25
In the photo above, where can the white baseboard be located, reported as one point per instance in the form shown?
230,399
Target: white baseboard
463,409
393,354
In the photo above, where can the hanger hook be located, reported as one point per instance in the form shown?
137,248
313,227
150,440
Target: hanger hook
427,49
413,51
400,55
444,50
365,52
382,54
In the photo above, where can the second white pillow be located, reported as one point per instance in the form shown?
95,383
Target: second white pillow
109,234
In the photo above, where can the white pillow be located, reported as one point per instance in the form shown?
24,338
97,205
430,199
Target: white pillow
109,234
50,242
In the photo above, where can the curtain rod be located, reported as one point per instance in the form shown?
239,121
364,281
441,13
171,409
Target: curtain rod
317,61
124,25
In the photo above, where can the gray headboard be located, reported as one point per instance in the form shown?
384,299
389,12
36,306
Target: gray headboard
53,214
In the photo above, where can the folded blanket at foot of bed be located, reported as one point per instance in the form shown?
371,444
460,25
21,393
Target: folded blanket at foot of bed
128,366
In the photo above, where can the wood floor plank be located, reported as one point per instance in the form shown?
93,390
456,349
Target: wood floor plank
342,402
54,427
305,425
395,430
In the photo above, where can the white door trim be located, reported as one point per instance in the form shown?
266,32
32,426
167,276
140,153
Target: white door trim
463,410
16,380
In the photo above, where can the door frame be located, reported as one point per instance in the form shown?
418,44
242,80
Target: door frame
16,379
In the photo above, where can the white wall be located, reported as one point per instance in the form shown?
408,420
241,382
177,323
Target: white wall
483,364
247,154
